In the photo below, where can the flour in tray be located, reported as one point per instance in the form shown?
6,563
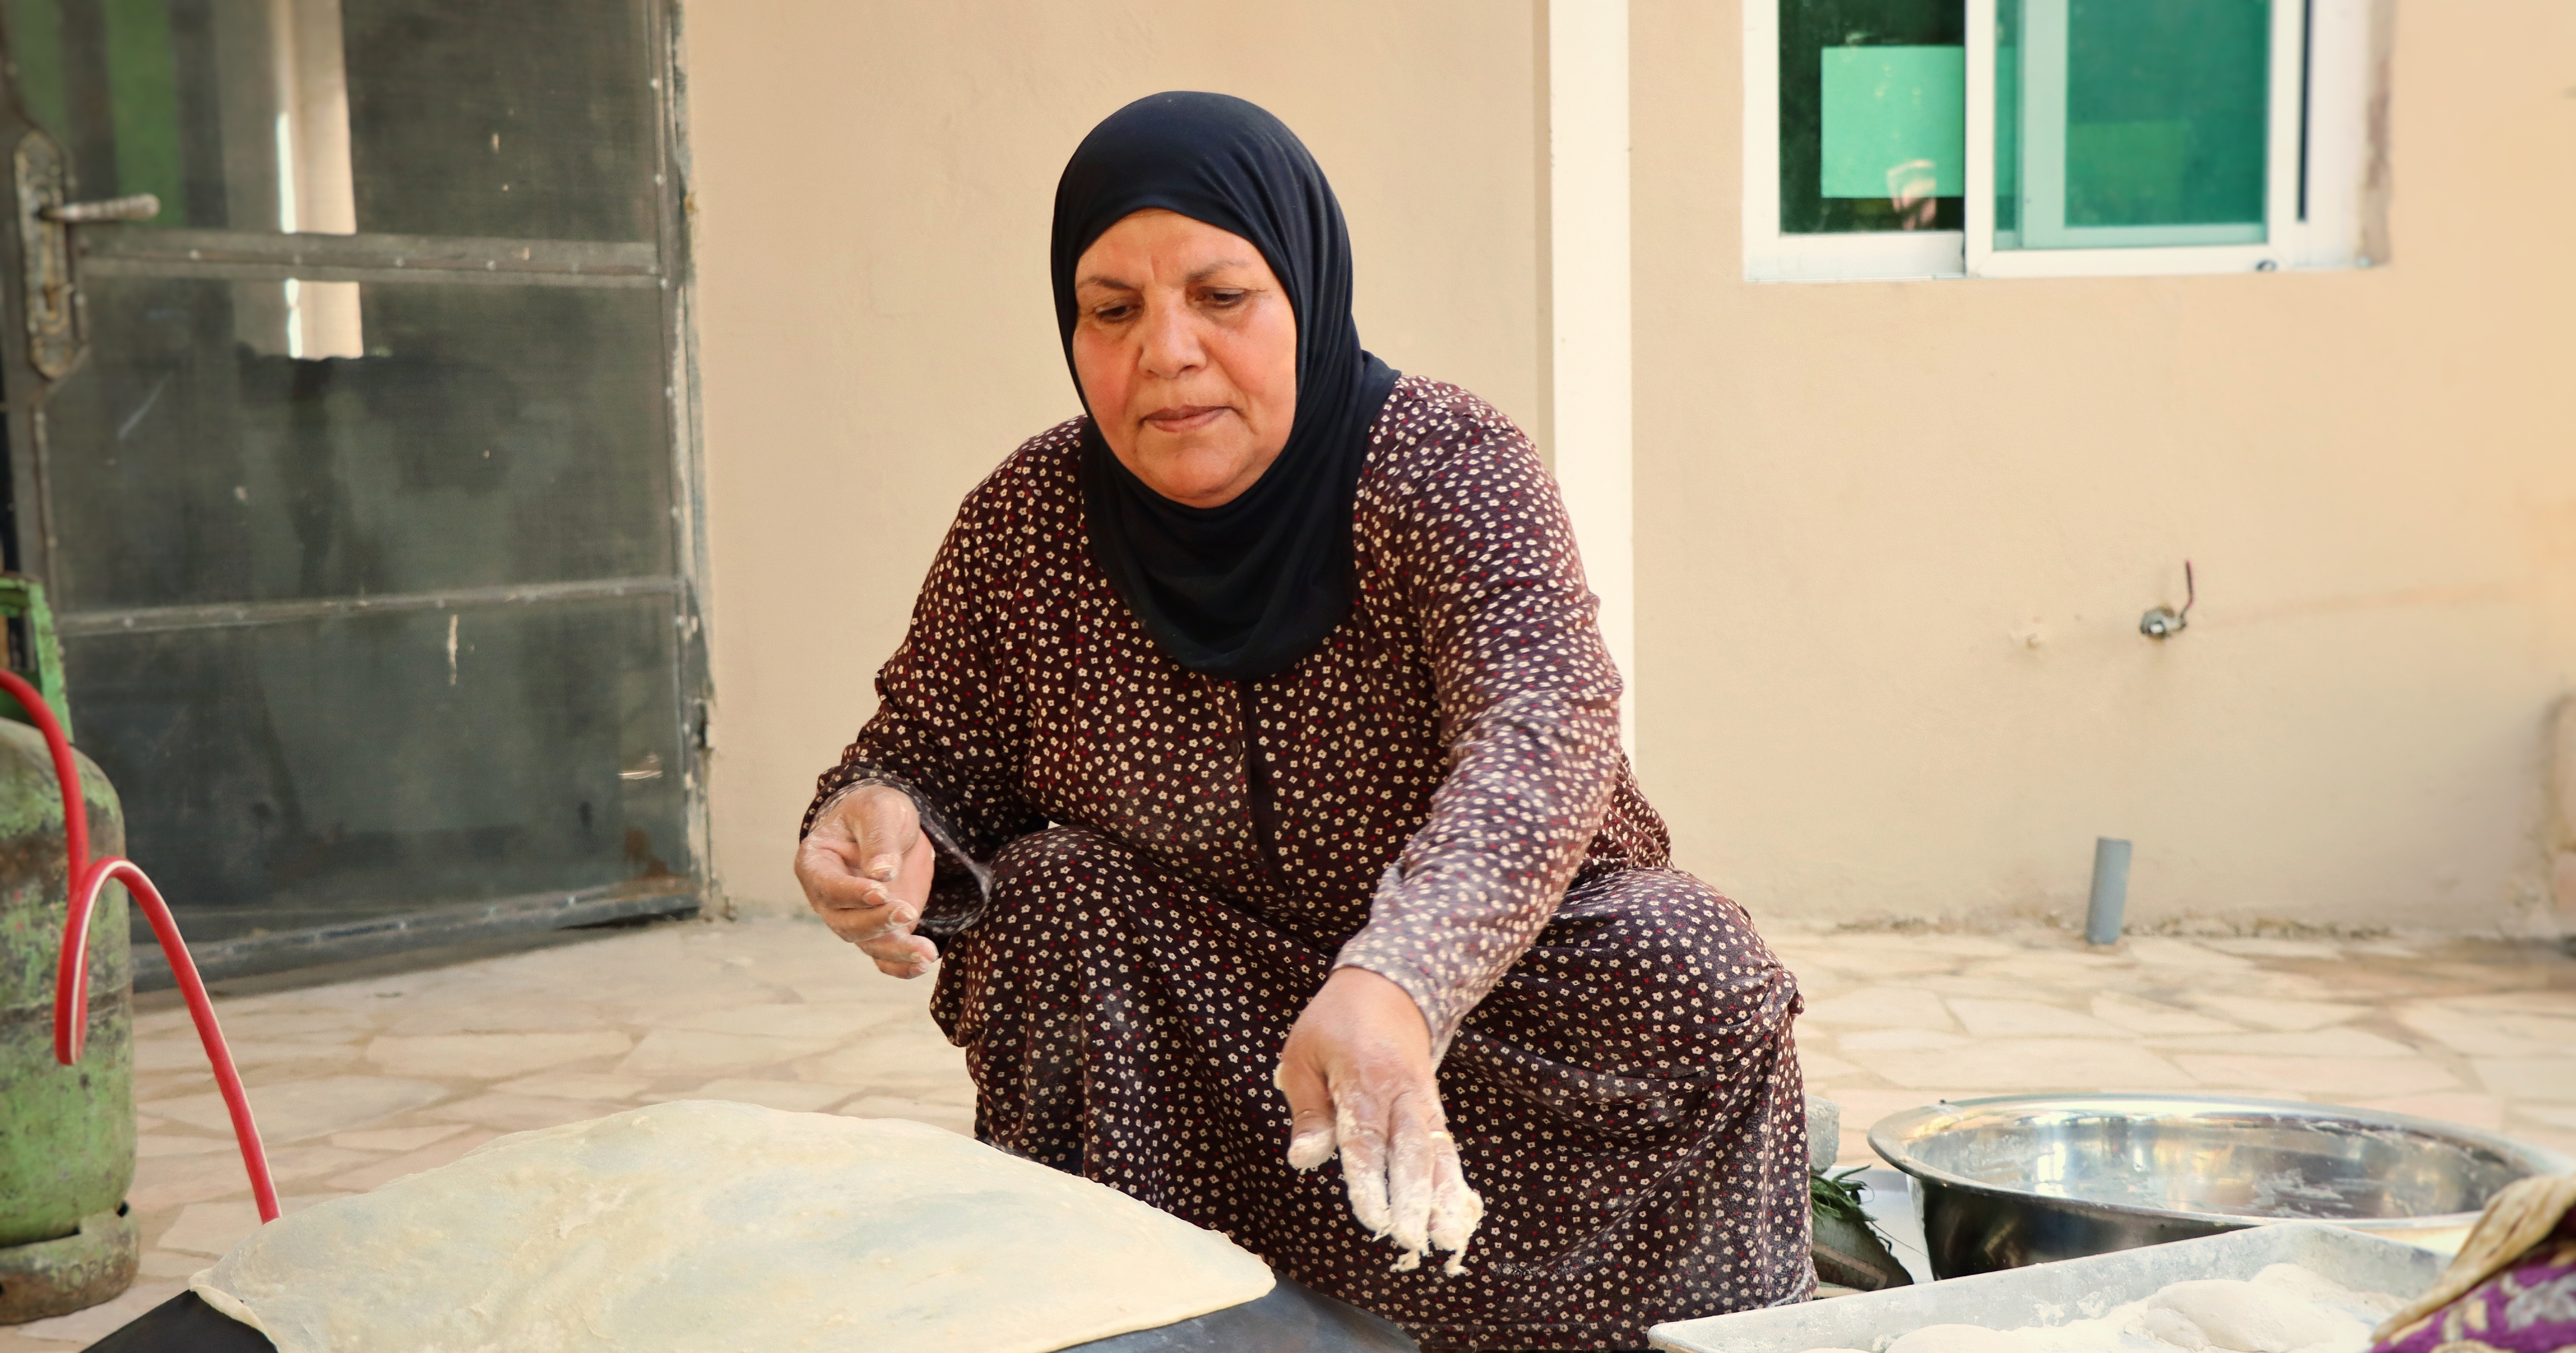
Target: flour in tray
2283,1309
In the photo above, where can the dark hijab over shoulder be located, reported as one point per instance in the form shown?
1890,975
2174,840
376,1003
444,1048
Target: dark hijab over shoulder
1244,589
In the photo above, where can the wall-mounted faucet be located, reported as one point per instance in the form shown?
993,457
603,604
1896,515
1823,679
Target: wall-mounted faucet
2164,621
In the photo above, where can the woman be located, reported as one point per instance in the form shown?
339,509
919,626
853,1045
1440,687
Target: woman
1295,655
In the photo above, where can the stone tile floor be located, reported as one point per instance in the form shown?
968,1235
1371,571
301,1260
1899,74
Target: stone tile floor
359,1081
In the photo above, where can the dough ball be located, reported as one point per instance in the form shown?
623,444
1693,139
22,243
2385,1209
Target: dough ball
2241,1316
1957,1339
2310,1285
2175,1328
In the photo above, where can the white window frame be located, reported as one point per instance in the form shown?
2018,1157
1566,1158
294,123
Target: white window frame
1769,255
2321,44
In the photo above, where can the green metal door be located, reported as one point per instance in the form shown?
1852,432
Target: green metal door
366,511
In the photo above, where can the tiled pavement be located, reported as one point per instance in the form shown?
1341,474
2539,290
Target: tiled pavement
360,1081
2479,1032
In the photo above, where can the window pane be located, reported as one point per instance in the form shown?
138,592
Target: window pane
492,435
1872,111
2121,123
364,765
2165,111
423,117
547,134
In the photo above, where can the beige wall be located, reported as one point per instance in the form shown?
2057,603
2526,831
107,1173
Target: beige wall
1856,500
872,185
1892,540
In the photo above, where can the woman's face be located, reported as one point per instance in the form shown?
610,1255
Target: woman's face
1187,352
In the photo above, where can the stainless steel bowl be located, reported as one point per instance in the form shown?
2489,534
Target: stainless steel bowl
2026,1179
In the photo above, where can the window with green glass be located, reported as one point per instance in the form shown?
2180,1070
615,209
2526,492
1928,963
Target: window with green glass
2126,124
1873,100
2051,138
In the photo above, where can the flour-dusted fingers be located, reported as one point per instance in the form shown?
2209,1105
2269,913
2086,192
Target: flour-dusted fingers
1409,1158
1362,1051
880,924
877,911
866,869
1311,1140
1360,1122
827,865
1456,1210
1310,1144
884,932
905,955
858,908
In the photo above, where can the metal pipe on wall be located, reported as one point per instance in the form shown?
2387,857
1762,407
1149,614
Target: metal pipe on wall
2110,897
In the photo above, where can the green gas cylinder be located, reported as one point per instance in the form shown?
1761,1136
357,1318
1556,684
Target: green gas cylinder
66,1132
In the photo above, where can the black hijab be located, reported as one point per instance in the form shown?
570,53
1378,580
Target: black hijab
1243,590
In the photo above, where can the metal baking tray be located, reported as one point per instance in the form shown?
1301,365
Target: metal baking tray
2053,1294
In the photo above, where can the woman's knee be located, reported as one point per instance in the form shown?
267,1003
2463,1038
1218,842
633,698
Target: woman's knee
1658,959
1028,941
1053,856
1664,924
1061,883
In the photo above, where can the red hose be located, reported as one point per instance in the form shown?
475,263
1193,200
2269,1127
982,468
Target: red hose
71,986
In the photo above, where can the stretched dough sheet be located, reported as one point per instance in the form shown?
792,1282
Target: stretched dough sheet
707,1227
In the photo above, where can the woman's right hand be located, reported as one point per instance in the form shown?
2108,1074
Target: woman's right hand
865,868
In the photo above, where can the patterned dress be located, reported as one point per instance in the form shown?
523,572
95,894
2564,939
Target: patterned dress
1146,873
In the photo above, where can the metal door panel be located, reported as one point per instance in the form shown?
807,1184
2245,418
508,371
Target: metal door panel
367,515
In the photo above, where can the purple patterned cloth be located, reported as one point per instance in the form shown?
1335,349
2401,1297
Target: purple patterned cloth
2530,1307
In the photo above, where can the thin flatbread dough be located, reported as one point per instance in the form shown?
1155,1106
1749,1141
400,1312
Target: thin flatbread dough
707,1227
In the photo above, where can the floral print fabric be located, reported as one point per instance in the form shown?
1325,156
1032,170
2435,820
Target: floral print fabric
2528,1307
1172,864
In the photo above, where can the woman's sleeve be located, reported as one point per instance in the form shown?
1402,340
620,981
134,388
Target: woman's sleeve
1529,705
947,730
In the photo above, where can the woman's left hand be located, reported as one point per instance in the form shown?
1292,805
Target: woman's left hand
1358,1074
